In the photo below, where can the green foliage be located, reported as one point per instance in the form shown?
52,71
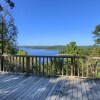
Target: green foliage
8,35
86,52
95,51
96,34
9,2
72,48
8,30
22,52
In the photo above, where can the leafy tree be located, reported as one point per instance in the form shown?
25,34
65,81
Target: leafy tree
96,34
72,48
95,51
22,52
9,2
86,51
8,31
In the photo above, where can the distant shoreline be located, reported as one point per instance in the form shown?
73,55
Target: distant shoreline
58,47
55,47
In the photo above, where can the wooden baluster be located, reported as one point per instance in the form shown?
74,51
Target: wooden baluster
13,63
27,66
55,67
32,65
47,66
19,64
87,75
82,70
67,68
16,65
71,66
39,65
23,64
78,69
51,67
5,63
2,63
74,66
10,63
62,66
43,65
36,66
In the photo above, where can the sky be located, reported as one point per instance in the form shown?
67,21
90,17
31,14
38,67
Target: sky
56,22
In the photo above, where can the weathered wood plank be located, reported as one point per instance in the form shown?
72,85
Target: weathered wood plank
56,90
32,89
89,92
62,88
45,93
40,90
21,88
64,92
79,90
52,89
75,89
37,88
84,89
8,81
70,90
98,86
13,87
94,91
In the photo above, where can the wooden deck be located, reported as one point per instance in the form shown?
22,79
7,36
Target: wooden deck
19,87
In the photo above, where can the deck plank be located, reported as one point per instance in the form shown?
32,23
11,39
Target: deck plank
75,90
31,90
56,90
97,82
25,87
34,92
45,93
52,89
6,86
41,89
84,89
94,90
59,96
63,95
19,87
89,92
79,92
14,87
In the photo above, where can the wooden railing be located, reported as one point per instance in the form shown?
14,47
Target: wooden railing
49,65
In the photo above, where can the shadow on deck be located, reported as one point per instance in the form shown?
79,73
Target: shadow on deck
19,87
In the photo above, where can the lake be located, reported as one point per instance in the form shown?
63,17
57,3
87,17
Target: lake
41,52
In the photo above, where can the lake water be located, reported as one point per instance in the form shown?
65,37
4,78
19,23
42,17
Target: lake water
41,52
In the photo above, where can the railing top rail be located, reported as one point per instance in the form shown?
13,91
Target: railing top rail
57,56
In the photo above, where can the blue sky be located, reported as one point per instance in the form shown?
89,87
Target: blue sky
56,22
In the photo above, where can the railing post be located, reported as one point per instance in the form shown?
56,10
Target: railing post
82,70
1,63
71,66
43,65
62,66
27,66
67,68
